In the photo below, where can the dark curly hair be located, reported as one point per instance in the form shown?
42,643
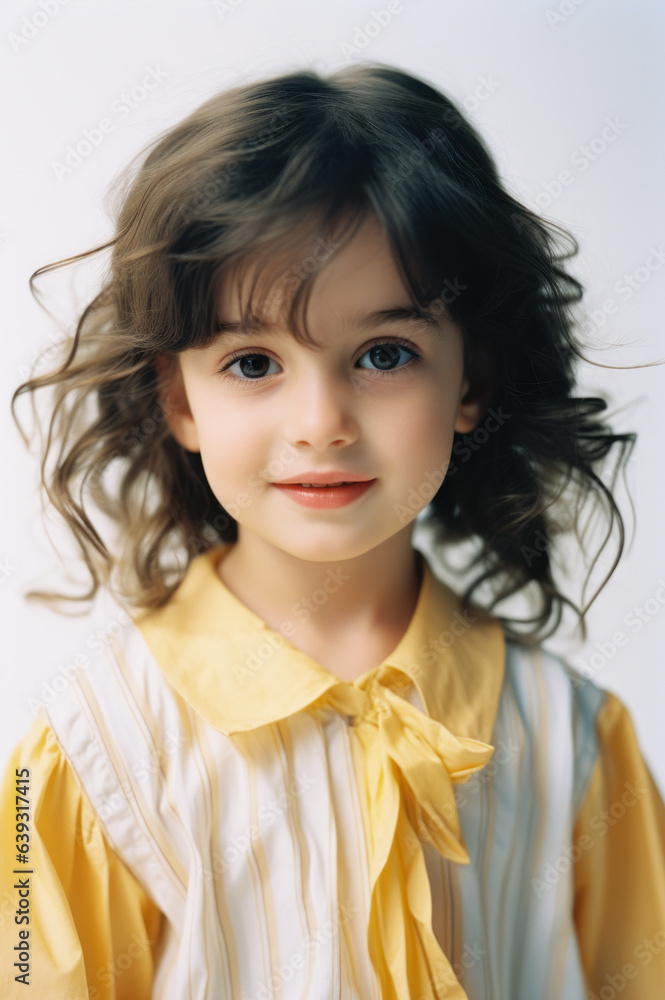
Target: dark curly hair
255,169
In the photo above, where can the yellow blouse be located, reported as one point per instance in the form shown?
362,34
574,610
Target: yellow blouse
97,934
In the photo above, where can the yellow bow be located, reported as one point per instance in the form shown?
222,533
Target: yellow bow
411,763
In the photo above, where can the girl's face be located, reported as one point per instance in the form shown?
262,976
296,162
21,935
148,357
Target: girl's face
377,400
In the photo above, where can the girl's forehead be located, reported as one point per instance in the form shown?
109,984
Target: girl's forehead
251,287
355,267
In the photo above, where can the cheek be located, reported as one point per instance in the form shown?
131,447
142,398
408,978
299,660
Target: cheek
423,434
235,441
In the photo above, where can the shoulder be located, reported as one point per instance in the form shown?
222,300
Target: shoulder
538,669
37,754
117,717
559,709
119,675
128,737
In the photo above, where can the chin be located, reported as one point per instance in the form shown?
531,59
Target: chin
326,550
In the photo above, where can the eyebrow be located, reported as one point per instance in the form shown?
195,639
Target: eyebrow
379,317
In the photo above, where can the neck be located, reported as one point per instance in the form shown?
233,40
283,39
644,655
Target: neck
377,590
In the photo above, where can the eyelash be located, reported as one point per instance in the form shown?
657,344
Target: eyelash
414,360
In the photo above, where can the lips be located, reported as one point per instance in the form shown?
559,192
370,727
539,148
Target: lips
325,495
333,477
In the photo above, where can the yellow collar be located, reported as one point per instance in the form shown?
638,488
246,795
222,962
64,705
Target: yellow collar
238,673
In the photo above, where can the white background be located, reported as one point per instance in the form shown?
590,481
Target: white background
539,80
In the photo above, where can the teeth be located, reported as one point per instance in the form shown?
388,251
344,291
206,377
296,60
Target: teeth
323,485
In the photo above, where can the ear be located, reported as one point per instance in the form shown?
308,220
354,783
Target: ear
469,410
479,388
173,400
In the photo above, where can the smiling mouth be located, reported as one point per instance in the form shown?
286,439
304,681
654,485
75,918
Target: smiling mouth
312,494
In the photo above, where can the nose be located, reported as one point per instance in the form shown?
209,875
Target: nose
322,412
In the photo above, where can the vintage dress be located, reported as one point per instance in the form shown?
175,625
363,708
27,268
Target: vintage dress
216,815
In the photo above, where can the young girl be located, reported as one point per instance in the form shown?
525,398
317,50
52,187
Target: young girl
305,767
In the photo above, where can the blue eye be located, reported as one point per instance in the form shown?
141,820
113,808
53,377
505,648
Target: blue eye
384,354
253,367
